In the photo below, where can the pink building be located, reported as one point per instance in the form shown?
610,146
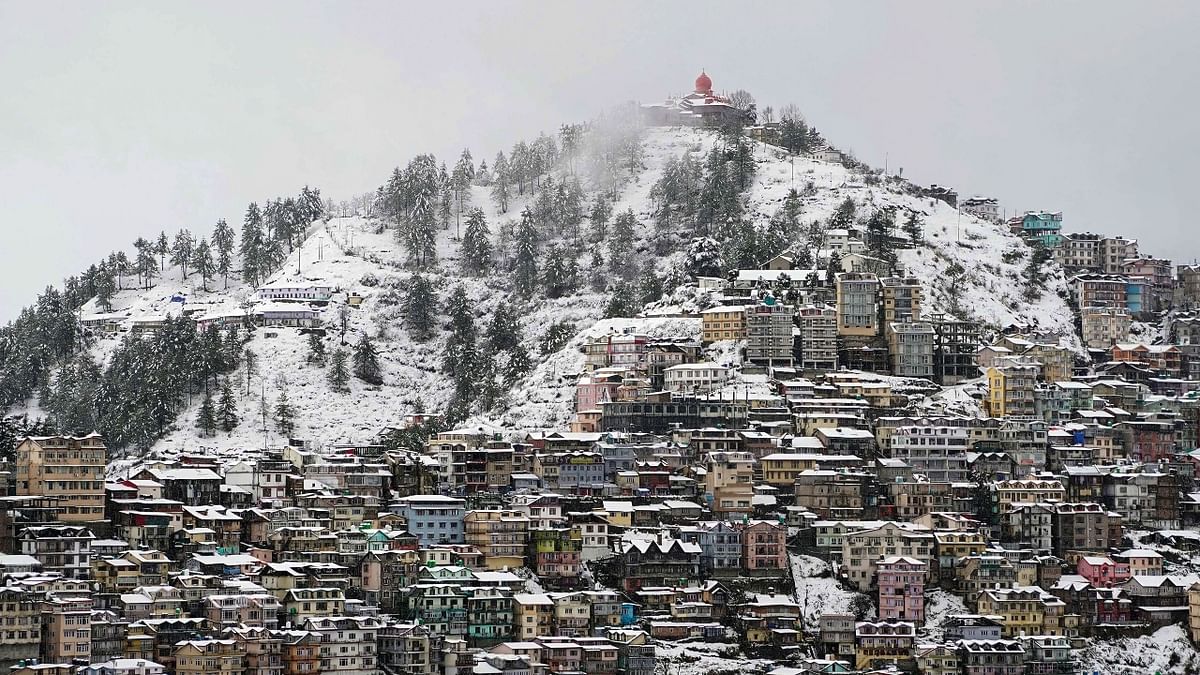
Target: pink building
901,582
1102,571
600,386
1142,562
764,545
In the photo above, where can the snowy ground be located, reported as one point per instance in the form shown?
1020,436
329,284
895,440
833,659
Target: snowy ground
347,252
940,604
817,591
706,658
1166,651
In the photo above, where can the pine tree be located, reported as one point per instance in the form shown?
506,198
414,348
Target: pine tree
206,420
419,309
601,212
203,263
844,216
620,245
146,265
476,247
501,180
284,414
554,273
227,407
181,251
525,272
517,365
503,332
650,286
914,228
222,239
251,361
339,375
366,362
621,302
460,181
105,288
252,246
316,349
460,359
162,247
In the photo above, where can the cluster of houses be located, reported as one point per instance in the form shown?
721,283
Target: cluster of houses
297,303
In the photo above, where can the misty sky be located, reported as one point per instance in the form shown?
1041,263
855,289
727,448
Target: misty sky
122,119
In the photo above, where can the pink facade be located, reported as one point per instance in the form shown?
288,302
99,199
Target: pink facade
764,545
901,582
591,390
1102,572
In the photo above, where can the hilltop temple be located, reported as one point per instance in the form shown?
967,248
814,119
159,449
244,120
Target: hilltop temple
700,108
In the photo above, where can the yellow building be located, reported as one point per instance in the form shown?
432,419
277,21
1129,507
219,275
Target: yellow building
535,615
780,469
1011,390
501,536
1028,490
68,467
725,322
1027,610
210,657
1194,612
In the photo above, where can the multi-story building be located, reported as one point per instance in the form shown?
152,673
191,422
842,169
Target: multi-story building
901,583
1103,327
1114,251
1044,227
882,643
694,378
991,657
1161,275
764,546
938,452
858,304
1011,390
816,343
769,333
408,648
899,300
210,657
66,629
862,550
1026,610
954,346
1079,252
347,643
65,549
984,208
730,481
21,631
1025,490
1099,290
1187,287
434,519
910,348
70,468
724,322
501,536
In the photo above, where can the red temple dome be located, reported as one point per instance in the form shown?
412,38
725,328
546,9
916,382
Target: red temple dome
703,83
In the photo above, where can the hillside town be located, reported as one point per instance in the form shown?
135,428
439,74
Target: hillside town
804,468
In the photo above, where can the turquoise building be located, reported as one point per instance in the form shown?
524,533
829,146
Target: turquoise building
1044,226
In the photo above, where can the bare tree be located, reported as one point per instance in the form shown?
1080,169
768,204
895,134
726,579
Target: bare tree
791,112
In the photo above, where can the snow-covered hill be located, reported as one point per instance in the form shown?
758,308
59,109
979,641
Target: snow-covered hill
361,255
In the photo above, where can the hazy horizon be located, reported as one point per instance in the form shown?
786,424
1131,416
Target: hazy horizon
124,119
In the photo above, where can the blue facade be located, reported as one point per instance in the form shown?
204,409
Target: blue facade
434,519
1045,227
1135,294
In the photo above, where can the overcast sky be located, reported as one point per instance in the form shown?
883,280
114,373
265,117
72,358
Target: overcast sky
122,119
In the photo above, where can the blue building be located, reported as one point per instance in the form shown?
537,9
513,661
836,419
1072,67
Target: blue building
433,519
1043,226
1136,291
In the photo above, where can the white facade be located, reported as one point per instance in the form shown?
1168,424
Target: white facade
938,452
687,378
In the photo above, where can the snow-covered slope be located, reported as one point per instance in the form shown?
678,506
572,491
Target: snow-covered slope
361,255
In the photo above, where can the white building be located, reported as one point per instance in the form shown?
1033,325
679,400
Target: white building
688,378
769,333
290,290
986,208
938,452
1103,327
